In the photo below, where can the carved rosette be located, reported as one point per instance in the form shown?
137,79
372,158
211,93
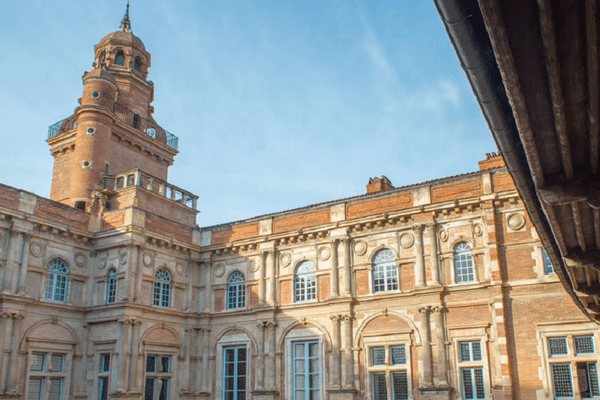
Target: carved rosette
35,248
360,247
324,253
406,240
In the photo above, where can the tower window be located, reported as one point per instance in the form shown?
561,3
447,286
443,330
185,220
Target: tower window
120,59
137,64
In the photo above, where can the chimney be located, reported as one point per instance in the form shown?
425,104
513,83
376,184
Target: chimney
492,160
377,185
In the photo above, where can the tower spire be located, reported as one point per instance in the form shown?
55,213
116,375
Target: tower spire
125,22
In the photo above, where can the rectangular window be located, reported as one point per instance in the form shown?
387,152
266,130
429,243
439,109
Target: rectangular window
470,351
583,345
548,268
388,372
234,372
158,377
472,380
46,369
587,376
103,376
561,378
306,371
557,346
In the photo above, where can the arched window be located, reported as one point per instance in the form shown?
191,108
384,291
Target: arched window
236,291
120,59
162,289
385,271
463,263
58,281
137,64
102,57
111,287
305,282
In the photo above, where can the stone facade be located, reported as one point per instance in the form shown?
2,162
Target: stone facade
438,290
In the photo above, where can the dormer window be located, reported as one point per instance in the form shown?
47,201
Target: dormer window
120,59
137,64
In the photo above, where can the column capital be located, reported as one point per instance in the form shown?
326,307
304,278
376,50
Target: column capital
346,317
335,318
439,309
425,310
430,226
418,228
345,240
270,324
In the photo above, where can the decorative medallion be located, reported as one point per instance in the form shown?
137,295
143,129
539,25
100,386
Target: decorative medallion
80,259
515,221
360,247
444,235
324,253
102,262
285,259
148,259
180,268
219,270
254,265
123,257
35,248
406,240
477,229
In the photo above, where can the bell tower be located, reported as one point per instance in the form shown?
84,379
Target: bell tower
112,131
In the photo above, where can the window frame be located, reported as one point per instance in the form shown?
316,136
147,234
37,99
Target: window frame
389,270
387,342
111,287
235,377
159,297
52,284
467,263
157,375
305,283
236,291
240,339
47,348
104,376
304,335
117,54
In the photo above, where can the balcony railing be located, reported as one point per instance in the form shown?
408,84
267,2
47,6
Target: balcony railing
127,117
149,182
130,118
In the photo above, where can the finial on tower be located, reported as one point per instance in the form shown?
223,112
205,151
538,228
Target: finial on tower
126,23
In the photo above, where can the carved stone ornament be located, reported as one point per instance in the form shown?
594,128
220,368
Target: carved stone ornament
477,230
444,235
324,253
102,262
35,248
123,257
148,259
360,247
180,268
407,240
515,221
253,265
285,259
219,270
80,260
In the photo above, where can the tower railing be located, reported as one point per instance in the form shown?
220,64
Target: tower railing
127,117
141,179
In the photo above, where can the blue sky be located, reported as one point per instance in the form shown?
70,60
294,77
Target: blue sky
277,104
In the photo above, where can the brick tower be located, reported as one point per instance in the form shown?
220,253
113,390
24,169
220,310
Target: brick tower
112,131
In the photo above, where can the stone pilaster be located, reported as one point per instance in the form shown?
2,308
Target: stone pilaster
261,279
272,289
124,356
430,230
24,264
189,339
347,268
335,276
137,292
205,365
335,361
208,287
441,377
347,354
260,357
7,320
7,276
270,358
11,384
419,259
427,375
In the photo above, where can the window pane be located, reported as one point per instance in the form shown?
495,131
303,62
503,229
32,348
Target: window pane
379,388
34,391
400,385
480,392
149,390
56,362
561,378
557,346
583,344
463,263
103,388
397,355
548,268
378,356
465,351
150,364
467,379
37,361
165,364
105,362
475,351
55,389
164,389
587,376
